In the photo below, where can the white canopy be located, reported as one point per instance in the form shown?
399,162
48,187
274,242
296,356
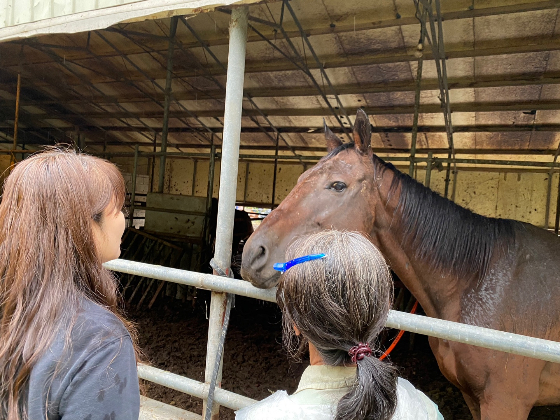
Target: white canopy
26,18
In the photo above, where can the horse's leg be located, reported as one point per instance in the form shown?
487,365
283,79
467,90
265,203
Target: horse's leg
474,406
505,407
512,389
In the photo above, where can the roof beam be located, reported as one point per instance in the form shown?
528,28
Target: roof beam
421,150
513,46
322,112
508,128
365,23
355,89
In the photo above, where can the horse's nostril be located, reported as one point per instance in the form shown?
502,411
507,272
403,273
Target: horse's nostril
259,257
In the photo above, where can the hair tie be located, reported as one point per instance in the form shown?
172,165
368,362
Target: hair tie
359,352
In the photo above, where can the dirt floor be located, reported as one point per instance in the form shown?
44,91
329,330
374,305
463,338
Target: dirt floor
173,337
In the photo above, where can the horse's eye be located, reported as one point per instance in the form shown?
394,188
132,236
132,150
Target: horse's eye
338,186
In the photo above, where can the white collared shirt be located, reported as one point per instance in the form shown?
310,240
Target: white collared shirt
319,390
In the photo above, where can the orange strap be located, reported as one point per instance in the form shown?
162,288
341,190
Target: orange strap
399,335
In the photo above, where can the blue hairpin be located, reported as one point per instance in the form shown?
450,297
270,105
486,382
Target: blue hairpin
282,267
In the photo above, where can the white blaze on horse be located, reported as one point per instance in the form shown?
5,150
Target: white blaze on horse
461,266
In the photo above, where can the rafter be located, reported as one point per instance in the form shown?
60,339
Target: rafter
492,128
529,106
312,29
480,82
514,46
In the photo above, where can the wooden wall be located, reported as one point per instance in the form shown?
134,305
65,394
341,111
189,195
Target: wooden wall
513,194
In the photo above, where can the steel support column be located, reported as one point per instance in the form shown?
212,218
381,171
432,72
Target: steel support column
168,79
417,91
549,188
275,173
428,170
228,180
438,52
133,192
210,189
16,119
557,221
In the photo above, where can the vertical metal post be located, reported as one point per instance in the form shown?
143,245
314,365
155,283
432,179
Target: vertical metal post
429,170
228,180
16,118
420,50
549,187
557,222
153,165
246,182
81,142
210,189
211,173
133,192
454,187
195,168
275,170
168,79
447,175
548,194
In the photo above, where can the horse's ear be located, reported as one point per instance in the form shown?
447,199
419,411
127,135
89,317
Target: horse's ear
362,132
332,139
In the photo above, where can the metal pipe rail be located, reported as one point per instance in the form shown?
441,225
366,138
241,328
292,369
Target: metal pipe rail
454,331
195,388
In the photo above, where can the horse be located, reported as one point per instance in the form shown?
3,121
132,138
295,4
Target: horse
460,266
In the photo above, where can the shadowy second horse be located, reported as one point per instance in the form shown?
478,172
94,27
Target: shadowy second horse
461,266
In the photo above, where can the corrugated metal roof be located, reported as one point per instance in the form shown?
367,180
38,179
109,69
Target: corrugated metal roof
25,18
503,72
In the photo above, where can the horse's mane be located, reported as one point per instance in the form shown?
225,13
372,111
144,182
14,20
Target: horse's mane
449,237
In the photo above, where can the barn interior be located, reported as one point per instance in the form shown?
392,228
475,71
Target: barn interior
463,95
488,109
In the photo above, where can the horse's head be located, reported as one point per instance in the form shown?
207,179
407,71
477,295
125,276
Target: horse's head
336,193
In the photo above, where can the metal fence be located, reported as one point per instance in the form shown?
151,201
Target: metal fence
496,340
468,334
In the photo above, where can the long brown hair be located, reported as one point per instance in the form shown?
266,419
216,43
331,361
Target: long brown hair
48,260
337,302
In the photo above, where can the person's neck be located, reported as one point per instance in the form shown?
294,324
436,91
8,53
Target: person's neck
315,358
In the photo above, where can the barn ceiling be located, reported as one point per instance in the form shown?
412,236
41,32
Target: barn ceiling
307,60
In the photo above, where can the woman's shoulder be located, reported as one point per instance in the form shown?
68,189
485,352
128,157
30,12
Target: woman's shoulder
97,325
279,406
413,404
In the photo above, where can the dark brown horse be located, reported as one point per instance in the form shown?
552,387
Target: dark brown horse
461,266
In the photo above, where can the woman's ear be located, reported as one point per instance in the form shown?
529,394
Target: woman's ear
297,331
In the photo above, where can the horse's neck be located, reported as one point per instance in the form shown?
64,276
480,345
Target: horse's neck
437,291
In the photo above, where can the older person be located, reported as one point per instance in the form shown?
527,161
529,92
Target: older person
335,294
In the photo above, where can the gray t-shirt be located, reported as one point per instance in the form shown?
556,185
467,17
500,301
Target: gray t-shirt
94,378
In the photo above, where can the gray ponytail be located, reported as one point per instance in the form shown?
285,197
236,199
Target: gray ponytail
337,302
374,395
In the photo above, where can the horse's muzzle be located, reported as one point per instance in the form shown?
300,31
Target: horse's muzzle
256,266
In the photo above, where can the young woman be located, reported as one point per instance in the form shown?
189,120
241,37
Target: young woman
66,351
335,294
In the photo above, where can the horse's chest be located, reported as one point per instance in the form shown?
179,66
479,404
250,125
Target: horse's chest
549,385
445,358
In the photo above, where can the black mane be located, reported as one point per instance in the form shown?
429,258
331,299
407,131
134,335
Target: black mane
449,237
